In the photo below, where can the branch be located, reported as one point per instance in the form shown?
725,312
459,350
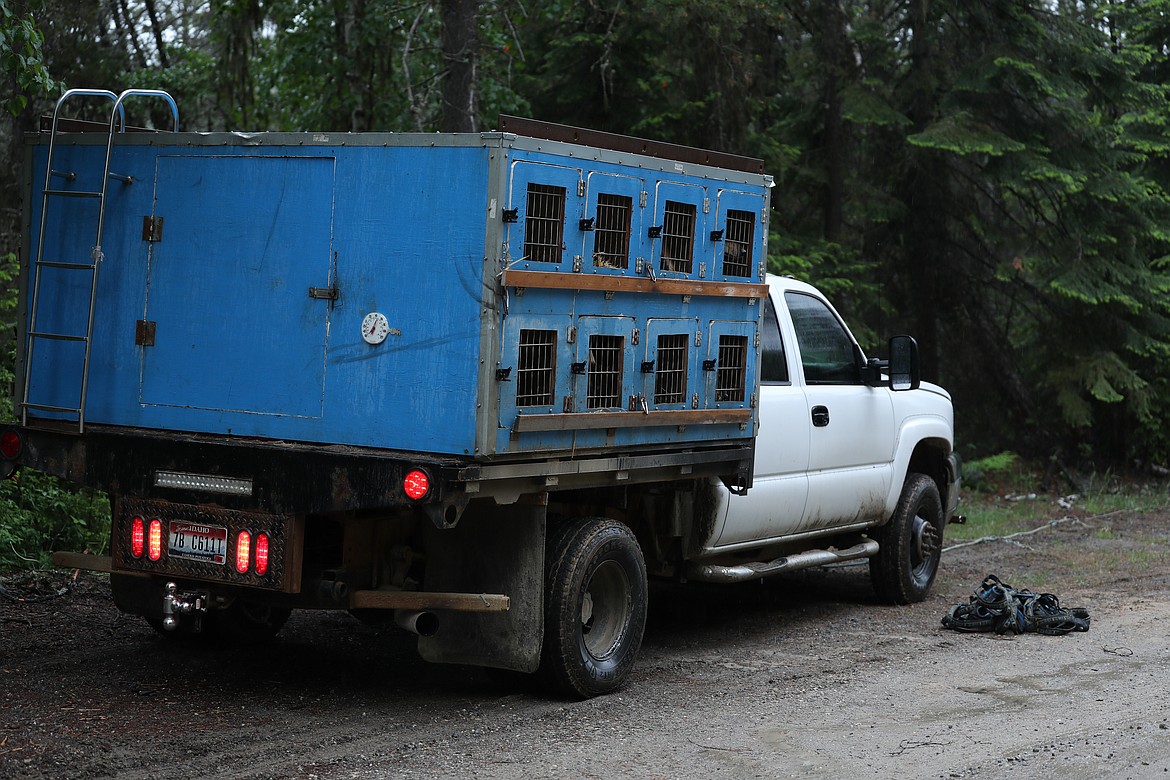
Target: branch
1011,537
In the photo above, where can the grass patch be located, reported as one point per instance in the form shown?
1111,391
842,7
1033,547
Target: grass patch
1112,529
1002,499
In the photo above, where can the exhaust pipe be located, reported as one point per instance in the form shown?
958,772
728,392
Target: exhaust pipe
761,569
421,623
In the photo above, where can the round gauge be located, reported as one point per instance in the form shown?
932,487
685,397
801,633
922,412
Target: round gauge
375,327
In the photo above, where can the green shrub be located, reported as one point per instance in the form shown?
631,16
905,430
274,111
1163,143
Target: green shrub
39,513
978,475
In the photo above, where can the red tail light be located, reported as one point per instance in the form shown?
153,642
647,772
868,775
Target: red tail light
243,551
137,537
10,445
261,554
154,540
416,484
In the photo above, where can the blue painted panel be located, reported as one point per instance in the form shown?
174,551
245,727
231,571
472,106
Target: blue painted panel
518,393
672,396
241,348
249,227
244,239
701,253
733,351
63,306
749,206
527,236
598,251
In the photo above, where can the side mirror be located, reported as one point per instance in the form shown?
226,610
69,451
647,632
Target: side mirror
903,365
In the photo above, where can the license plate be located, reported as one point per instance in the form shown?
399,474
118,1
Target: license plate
207,543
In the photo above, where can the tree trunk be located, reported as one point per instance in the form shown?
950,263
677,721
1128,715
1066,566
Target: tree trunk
460,57
838,65
236,22
157,30
924,190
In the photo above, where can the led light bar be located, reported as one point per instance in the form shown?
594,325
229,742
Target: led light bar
207,483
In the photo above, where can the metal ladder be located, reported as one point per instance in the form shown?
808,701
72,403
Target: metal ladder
117,125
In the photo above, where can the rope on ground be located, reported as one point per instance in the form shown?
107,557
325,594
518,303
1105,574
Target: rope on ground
1010,538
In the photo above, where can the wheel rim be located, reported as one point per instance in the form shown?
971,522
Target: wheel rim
605,610
924,548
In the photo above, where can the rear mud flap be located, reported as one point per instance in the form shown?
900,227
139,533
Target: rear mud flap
494,549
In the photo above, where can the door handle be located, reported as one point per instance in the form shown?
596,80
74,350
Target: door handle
820,416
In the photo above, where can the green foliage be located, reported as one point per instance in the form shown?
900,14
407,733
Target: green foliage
980,474
963,135
837,270
38,513
992,177
21,57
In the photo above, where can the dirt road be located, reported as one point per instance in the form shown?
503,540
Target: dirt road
798,677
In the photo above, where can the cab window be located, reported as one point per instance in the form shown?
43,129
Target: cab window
827,353
773,362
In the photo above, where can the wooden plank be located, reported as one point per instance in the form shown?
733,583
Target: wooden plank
575,421
76,560
555,280
416,600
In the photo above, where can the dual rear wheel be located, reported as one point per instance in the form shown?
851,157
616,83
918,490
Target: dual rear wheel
594,607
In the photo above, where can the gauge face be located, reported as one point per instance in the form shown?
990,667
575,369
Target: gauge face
375,328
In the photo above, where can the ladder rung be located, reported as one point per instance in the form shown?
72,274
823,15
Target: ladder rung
58,336
62,264
74,193
48,408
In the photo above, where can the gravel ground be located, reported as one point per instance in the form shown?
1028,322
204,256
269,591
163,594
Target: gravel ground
801,676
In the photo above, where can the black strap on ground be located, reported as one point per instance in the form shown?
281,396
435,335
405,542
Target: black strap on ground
997,606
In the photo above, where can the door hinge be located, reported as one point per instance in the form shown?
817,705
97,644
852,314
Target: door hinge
152,229
144,333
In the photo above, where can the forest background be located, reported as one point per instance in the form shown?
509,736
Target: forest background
990,176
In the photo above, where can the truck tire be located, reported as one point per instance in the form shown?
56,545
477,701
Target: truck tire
910,544
595,607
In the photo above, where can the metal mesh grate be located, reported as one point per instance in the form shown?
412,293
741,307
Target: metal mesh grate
611,242
605,372
729,378
670,375
536,368
678,236
544,223
737,243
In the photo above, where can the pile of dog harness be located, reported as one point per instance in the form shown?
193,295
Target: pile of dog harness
999,607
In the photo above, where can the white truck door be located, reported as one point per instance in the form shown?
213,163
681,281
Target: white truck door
775,504
852,425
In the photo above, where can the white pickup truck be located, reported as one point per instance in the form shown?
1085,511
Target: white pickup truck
486,384
838,452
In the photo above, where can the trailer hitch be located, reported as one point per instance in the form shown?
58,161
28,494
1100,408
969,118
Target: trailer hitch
177,602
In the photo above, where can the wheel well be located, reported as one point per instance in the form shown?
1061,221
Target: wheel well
930,458
670,520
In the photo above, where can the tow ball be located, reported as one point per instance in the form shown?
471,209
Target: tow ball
177,602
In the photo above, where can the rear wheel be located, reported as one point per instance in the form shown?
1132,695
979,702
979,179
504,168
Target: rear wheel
910,544
595,607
